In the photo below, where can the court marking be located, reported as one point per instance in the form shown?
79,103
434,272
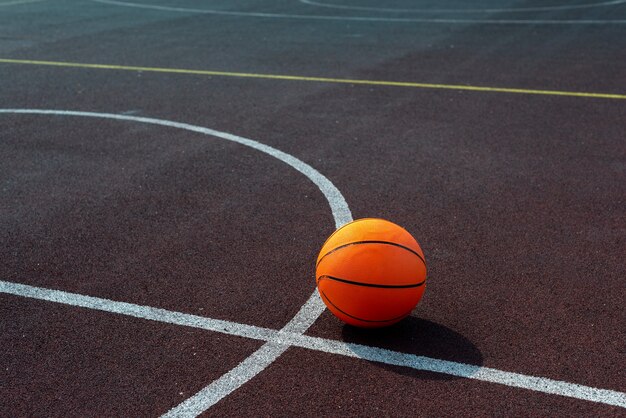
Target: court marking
488,10
284,339
382,83
307,314
365,18
13,3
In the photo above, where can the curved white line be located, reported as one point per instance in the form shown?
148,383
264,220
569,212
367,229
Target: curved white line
305,317
509,10
366,19
14,3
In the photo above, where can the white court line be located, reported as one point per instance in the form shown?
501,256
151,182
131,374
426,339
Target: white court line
285,339
309,312
13,3
339,207
505,10
250,367
366,19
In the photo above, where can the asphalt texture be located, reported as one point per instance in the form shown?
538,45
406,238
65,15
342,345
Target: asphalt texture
517,200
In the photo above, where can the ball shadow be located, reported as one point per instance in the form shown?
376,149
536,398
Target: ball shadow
419,337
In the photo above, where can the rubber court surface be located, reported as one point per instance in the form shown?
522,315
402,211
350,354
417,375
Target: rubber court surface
169,170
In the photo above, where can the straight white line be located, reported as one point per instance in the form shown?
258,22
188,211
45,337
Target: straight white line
137,311
14,3
228,383
366,19
505,10
279,341
485,374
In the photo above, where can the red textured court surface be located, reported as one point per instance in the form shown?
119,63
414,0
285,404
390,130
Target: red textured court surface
169,170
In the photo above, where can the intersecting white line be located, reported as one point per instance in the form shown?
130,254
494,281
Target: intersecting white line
292,334
286,339
307,314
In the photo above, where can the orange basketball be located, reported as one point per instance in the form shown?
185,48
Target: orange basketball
371,273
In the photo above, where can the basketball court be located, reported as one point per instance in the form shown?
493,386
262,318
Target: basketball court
171,168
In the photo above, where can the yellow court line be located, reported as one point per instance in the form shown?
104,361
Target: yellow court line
458,87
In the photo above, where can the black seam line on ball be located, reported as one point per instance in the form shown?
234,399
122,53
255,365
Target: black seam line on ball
361,319
370,242
342,227
381,286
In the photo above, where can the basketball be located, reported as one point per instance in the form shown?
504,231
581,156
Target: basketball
371,273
